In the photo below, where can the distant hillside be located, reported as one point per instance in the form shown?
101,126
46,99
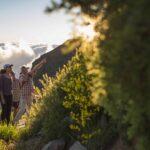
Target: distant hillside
55,60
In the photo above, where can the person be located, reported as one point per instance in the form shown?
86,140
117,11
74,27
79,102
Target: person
6,93
27,89
3,71
16,93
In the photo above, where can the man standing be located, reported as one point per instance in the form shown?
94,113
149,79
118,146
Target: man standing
6,93
27,89
3,113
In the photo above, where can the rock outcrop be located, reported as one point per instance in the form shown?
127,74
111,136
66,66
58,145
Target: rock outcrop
55,145
77,146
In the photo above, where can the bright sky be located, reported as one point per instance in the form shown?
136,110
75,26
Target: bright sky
26,19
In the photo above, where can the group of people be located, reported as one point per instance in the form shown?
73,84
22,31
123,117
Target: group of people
16,95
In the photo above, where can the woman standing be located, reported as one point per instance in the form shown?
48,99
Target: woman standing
16,94
6,93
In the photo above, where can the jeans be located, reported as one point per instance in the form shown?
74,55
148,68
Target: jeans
24,106
3,113
6,109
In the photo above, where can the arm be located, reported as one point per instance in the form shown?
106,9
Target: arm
37,67
23,79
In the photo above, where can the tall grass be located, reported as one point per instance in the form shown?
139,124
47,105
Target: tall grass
9,132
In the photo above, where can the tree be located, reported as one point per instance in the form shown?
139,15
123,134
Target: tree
123,48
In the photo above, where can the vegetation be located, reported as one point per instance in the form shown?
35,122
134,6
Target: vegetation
122,50
64,109
9,135
102,94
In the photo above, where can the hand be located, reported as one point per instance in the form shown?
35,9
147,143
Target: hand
2,100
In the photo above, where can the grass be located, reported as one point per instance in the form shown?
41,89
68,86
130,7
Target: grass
8,133
9,136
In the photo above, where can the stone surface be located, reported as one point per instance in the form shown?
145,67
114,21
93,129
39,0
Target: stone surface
77,146
55,145
120,145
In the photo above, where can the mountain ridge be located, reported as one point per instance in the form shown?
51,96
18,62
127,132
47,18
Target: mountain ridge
56,58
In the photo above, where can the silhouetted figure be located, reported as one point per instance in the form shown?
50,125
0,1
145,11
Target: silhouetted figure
6,93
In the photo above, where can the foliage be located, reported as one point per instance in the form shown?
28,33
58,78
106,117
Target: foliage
77,98
127,71
63,107
3,145
9,132
91,7
120,66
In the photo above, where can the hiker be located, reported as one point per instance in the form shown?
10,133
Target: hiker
6,93
27,89
16,93
3,71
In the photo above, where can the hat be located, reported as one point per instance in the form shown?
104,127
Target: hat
8,66
24,67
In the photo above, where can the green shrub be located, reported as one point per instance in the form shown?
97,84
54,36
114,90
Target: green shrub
9,132
77,100
121,65
125,58
64,108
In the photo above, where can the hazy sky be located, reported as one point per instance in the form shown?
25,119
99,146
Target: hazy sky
26,19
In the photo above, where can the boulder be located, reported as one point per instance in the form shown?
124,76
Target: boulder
55,145
120,145
77,146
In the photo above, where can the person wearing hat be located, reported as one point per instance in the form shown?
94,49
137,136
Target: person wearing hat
6,93
2,71
27,89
